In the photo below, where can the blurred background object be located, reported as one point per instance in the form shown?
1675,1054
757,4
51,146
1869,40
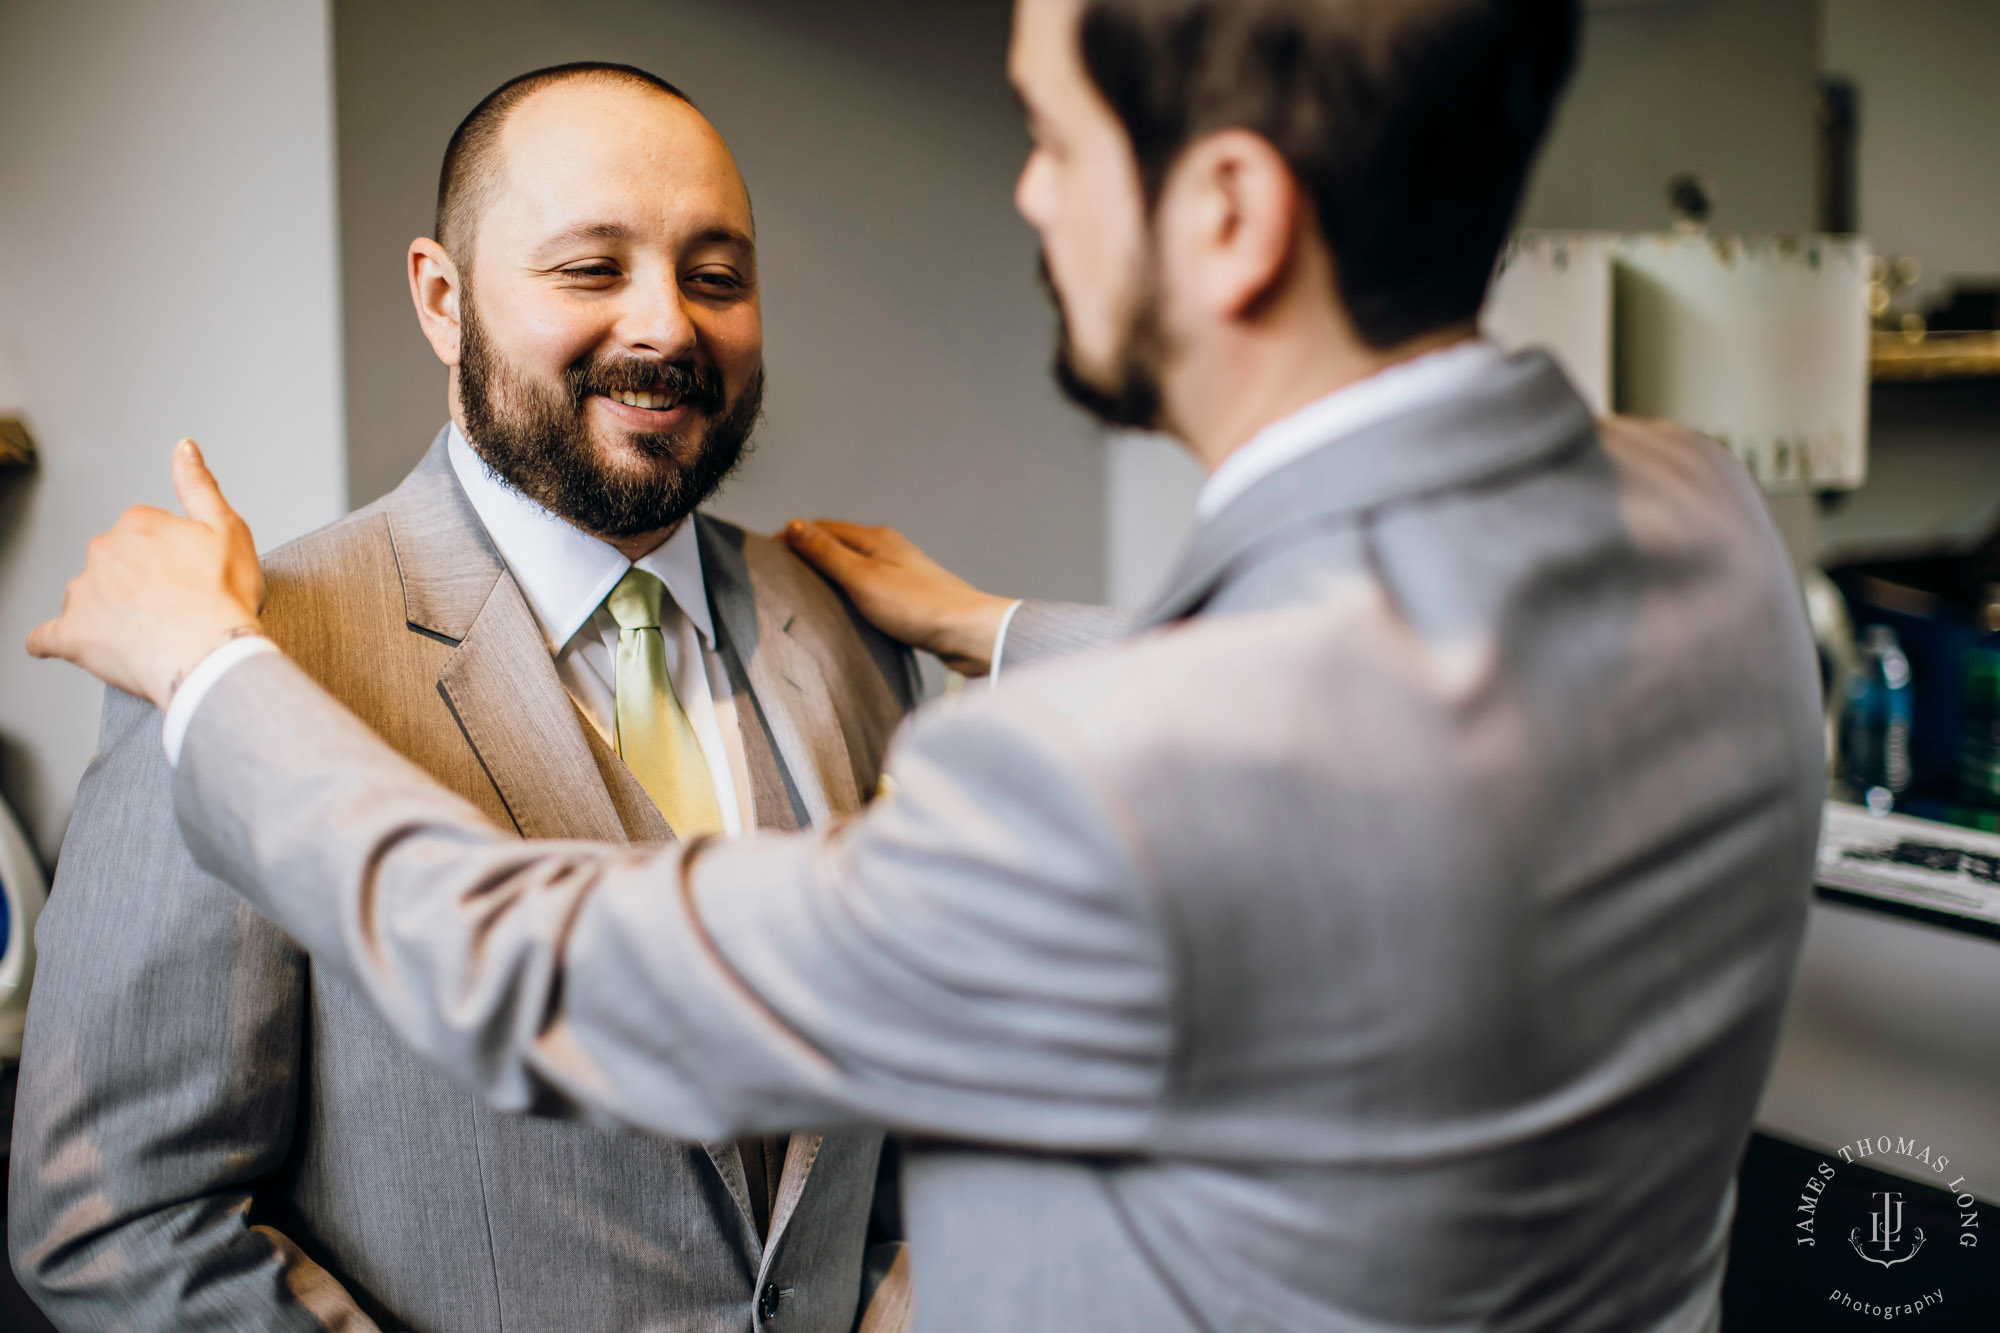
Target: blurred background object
1760,342
17,446
22,892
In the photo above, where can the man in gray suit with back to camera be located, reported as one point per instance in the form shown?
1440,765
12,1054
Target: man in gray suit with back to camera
1392,932
212,1134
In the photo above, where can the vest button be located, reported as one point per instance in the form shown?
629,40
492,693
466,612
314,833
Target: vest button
769,1300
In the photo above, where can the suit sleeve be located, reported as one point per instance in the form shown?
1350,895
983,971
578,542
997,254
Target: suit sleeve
1040,631
158,1077
979,956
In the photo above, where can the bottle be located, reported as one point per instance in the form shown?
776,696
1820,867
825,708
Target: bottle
1875,731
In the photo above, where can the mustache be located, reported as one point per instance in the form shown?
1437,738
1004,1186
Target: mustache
688,382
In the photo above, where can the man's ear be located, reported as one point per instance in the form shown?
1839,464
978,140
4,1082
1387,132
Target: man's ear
435,288
1230,218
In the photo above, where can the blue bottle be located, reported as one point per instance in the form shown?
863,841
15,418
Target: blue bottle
1875,727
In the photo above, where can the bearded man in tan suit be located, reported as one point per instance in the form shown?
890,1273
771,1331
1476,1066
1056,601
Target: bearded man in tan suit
211,1133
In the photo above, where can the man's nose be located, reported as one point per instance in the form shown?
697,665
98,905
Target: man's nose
656,320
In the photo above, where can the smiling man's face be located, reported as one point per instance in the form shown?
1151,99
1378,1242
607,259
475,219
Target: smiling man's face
610,354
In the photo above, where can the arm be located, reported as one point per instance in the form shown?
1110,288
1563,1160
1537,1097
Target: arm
975,957
159,1078
979,956
1042,631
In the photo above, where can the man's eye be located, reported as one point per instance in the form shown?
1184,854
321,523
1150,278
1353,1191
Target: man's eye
591,271
720,281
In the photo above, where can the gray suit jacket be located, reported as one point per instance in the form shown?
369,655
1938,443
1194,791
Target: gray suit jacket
1392,936
214,1134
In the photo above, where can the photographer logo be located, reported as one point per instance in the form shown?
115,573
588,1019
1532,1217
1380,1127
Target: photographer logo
1881,1273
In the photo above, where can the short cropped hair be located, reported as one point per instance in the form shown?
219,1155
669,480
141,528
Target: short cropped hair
1411,124
471,173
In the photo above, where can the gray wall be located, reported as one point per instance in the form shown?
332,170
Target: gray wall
167,268
907,342
1930,160
1722,88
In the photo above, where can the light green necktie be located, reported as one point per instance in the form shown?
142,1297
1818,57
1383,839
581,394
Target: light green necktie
655,738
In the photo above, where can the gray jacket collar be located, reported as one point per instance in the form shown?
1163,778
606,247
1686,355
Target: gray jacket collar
755,617
1516,416
447,562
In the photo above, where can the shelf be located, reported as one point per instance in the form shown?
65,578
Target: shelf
1894,359
1915,868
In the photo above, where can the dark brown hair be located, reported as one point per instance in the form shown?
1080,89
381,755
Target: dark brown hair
1411,124
471,174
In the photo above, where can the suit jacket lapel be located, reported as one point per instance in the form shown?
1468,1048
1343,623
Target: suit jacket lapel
503,687
800,1155
641,819
1516,415
501,683
790,688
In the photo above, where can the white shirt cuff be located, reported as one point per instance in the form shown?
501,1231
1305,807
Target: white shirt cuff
180,710
1000,643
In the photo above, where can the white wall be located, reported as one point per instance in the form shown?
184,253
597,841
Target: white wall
167,268
907,341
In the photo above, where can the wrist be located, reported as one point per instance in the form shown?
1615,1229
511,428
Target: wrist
967,643
195,650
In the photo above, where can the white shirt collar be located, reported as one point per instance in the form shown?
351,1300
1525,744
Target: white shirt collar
1388,393
563,571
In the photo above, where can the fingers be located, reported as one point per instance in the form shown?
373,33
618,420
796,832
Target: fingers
876,542
821,550
195,487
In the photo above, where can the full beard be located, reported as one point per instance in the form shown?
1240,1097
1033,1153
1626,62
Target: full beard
537,440
1130,397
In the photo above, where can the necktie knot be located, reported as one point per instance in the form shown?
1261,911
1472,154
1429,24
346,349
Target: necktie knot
635,602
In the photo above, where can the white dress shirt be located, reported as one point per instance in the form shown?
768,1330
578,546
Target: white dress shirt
565,574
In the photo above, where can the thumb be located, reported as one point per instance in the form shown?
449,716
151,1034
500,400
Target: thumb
194,485
46,639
